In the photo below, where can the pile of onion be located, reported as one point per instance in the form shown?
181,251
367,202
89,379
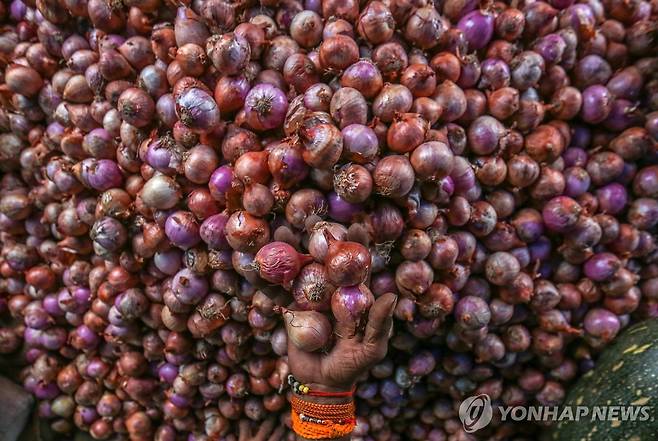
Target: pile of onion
187,186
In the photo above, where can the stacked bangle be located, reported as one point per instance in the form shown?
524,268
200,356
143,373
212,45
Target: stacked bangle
322,421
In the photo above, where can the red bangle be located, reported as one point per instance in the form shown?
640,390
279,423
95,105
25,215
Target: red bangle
348,393
302,389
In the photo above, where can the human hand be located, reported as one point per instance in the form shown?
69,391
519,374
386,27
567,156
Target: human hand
353,353
265,432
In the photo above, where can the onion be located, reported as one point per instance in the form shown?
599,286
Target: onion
229,53
308,330
363,76
478,27
350,304
347,263
265,107
279,263
312,290
197,110
173,176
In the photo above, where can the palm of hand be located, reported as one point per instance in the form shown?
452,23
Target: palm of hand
350,357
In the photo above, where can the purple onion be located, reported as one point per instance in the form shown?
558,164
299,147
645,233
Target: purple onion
182,229
495,74
597,104
168,261
189,287
561,213
360,143
212,232
551,47
602,324
612,198
197,110
601,266
46,391
341,210
478,27
17,10
103,175
265,107
220,182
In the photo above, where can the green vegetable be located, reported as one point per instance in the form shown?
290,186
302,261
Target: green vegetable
626,374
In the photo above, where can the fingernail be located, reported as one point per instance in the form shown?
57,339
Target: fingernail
395,303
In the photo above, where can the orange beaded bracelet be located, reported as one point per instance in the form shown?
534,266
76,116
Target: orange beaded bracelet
322,421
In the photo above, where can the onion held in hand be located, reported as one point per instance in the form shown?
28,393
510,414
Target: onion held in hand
279,263
347,263
351,303
307,330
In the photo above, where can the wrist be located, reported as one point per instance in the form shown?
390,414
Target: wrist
328,394
321,392
322,412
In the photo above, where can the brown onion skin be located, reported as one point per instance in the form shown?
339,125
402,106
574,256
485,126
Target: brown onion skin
246,233
338,52
420,79
406,132
307,330
436,214
391,59
376,23
347,263
347,9
393,176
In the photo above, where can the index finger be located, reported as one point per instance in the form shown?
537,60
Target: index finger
380,318
265,429
245,430
277,435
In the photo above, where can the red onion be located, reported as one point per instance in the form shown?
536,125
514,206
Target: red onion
353,183
392,99
229,53
197,110
360,143
363,76
347,263
348,107
162,157
350,305
279,263
306,28
308,330
286,164
265,107
406,132
414,278
424,27
182,229
338,52
323,145
312,290
245,232
393,176
478,27
376,23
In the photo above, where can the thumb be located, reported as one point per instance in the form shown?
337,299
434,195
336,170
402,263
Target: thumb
380,318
